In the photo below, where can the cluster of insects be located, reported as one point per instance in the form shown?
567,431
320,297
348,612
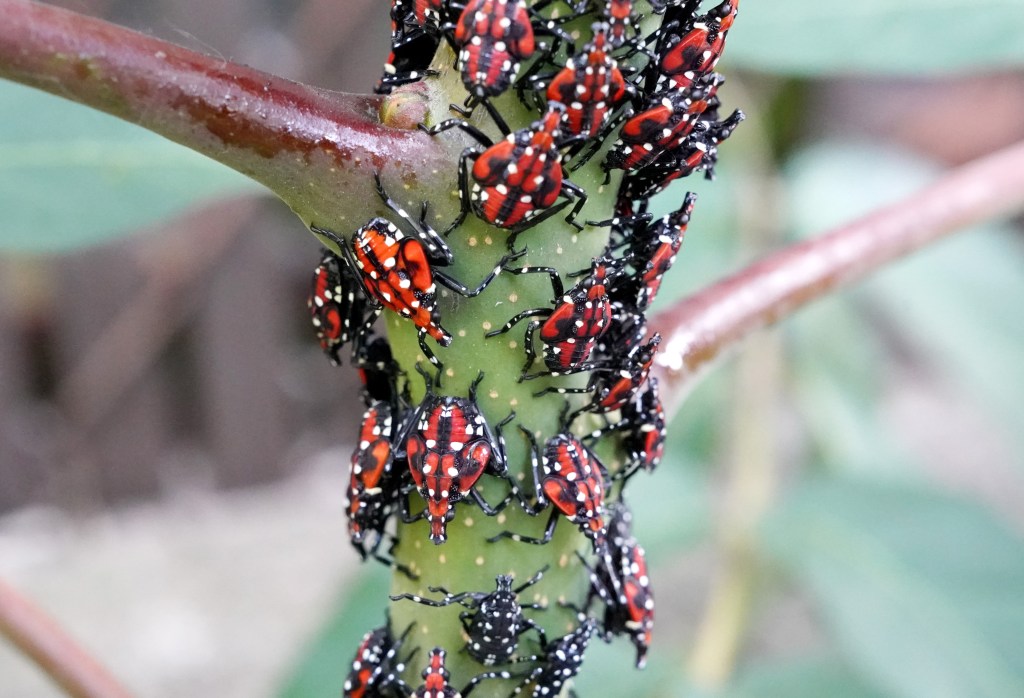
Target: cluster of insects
639,92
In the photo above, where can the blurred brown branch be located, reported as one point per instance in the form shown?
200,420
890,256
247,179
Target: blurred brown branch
42,639
700,328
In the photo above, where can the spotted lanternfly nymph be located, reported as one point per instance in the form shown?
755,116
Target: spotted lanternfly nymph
644,430
493,620
378,371
449,445
376,670
559,663
621,18
568,476
414,41
492,38
661,127
375,485
572,328
615,385
653,251
399,271
337,306
590,86
645,427
685,58
621,582
514,184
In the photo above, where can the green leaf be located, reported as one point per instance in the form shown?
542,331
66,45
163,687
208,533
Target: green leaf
959,305
914,37
71,176
835,353
322,667
924,592
820,178
808,678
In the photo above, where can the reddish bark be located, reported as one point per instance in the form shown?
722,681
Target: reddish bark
700,328
306,145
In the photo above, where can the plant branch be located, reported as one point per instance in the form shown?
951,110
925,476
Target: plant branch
306,145
702,327
39,637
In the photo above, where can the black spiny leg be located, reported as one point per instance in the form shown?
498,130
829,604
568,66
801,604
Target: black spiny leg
532,221
434,243
531,352
581,201
421,338
469,153
330,235
487,509
463,290
556,281
549,531
564,391
478,135
470,105
479,678
465,194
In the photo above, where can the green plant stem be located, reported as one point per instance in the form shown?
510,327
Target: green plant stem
42,639
700,329
306,145
468,562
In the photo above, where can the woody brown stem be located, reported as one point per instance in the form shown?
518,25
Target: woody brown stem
306,145
700,328
42,639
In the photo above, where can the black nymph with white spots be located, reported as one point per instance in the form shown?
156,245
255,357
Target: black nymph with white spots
493,621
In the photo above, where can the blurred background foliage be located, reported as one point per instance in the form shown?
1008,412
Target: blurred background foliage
839,513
